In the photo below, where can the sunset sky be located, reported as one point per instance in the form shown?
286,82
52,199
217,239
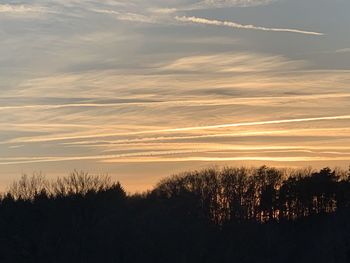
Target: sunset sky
141,89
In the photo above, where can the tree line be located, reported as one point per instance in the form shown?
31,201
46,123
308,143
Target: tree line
260,194
231,214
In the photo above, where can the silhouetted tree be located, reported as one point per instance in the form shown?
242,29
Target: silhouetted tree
224,215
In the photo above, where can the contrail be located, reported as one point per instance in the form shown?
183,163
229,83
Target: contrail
257,123
168,138
202,102
195,128
227,159
104,143
199,20
156,156
27,160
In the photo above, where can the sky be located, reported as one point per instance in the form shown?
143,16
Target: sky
145,89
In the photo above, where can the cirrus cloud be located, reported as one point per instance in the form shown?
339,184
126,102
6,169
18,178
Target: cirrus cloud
20,9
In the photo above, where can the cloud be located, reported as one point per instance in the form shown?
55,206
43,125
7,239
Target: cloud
206,4
163,156
257,123
229,159
90,79
19,9
264,100
24,160
343,50
318,132
127,16
231,62
199,20
162,10
181,129
156,12
177,6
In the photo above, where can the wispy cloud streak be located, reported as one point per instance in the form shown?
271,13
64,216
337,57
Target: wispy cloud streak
163,156
200,102
24,160
258,123
20,9
228,3
296,132
127,16
184,129
199,20
228,159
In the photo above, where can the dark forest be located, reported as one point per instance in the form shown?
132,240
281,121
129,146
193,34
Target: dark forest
231,214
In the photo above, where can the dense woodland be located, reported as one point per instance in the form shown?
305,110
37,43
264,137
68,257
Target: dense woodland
214,215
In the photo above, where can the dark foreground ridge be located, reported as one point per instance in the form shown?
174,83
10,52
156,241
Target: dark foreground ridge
214,215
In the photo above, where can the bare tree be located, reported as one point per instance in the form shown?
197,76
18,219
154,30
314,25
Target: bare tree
28,187
80,182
